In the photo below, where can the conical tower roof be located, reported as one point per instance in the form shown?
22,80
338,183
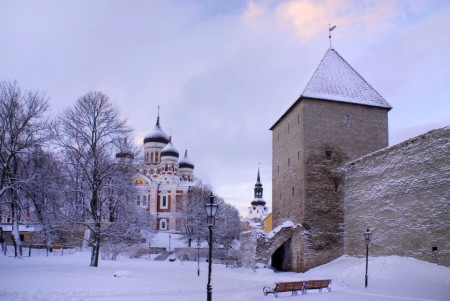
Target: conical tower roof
334,79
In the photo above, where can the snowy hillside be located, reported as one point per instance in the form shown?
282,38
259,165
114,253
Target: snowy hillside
69,277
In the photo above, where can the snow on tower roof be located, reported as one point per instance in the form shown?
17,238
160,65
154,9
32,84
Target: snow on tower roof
157,135
185,162
335,80
169,150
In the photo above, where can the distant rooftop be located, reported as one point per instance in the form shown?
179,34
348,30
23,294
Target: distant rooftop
335,80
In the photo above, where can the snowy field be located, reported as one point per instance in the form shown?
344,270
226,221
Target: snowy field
69,277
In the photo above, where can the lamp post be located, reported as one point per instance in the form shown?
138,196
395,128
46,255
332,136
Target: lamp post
211,210
170,237
367,236
198,256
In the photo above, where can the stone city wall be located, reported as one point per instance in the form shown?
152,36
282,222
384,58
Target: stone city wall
402,194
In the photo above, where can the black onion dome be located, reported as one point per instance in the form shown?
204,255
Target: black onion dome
260,202
185,162
157,135
169,150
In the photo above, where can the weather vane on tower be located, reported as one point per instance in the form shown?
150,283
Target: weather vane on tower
330,29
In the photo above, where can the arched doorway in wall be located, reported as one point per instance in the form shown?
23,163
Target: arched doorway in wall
280,258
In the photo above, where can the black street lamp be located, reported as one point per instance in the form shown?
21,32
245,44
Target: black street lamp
211,210
367,236
198,256
170,237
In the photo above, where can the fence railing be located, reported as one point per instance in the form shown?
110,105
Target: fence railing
39,249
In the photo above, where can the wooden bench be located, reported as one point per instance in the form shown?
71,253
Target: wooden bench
317,285
280,287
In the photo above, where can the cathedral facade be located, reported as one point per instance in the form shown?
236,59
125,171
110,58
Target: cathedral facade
163,178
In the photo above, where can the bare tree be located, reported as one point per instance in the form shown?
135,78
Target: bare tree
22,126
193,217
44,192
192,214
89,133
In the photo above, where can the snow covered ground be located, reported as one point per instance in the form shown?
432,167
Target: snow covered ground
69,277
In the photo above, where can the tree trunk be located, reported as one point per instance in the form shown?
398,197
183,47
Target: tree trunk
95,247
15,228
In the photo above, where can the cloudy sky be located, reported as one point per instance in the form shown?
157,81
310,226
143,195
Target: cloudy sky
224,71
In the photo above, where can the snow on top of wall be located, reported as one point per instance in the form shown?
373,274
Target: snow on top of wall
334,79
428,135
285,224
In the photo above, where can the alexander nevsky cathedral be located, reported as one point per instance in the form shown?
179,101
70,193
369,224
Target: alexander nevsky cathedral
163,179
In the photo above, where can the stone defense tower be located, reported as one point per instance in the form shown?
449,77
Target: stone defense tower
339,117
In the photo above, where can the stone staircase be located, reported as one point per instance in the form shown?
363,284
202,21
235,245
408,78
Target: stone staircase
163,256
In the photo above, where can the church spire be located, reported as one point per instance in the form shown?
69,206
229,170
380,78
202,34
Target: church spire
258,190
258,180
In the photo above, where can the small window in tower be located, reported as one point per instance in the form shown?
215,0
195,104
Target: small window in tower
288,127
257,211
156,156
146,157
278,136
289,161
298,155
278,168
254,208
328,155
298,118
347,119
151,157
293,191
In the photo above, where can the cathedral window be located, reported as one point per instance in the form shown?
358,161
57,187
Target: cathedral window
328,155
144,200
146,157
163,224
151,157
164,200
156,157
